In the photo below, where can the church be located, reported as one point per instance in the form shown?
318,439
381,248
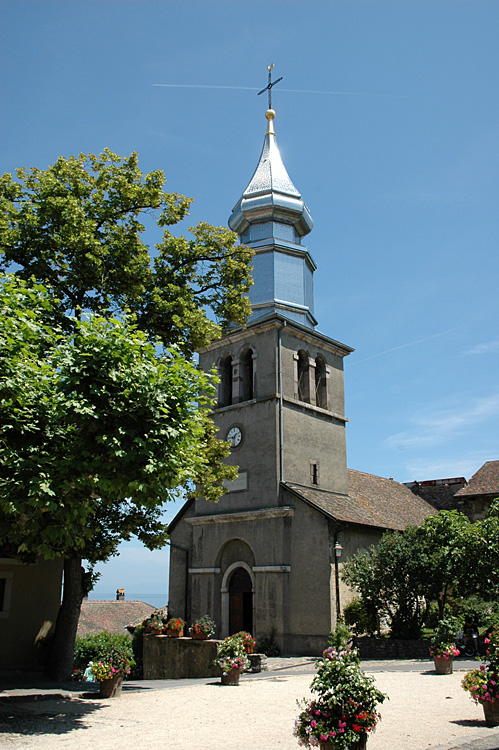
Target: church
267,558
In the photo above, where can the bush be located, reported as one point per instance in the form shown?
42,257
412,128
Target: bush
480,611
138,652
433,616
359,618
106,647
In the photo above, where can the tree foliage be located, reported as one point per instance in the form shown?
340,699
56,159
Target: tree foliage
446,556
98,426
77,227
98,430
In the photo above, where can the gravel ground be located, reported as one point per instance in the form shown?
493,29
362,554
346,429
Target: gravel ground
424,710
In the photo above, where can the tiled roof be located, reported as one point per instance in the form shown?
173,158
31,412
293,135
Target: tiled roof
113,616
371,501
484,482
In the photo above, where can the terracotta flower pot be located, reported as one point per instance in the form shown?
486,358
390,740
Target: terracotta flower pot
232,677
111,688
175,633
359,745
249,649
442,665
491,712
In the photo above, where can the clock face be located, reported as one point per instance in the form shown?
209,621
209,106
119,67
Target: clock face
234,436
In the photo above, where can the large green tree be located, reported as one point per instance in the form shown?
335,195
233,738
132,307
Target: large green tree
78,229
446,556
98,430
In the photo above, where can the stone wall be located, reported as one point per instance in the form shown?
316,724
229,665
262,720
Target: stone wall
176,658
391,648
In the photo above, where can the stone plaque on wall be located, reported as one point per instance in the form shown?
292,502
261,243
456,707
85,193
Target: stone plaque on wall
238,484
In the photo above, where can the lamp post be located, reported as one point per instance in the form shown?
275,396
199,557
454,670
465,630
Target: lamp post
337,549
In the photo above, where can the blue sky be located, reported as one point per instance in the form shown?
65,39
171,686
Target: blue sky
388,124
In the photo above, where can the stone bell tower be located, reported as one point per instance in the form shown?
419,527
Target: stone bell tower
281,406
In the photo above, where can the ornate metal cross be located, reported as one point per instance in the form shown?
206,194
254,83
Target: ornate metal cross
269,85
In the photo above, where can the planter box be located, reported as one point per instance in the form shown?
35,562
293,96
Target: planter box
177,658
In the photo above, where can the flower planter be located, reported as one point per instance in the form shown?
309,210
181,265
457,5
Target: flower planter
359,745
231,677
442,665
200,637
175,633
249,649
111,688
491,712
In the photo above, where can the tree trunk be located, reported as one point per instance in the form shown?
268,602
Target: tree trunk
60,665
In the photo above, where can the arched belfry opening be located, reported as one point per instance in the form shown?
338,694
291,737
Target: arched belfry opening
320,383
246,364
240,601
225,386
303,377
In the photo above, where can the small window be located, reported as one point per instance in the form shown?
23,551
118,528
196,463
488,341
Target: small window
225,386
314,472
246,365
320,383
303,377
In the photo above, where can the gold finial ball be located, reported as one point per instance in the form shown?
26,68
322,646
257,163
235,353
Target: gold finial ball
270,114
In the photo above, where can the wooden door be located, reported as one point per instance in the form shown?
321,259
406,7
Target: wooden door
240,602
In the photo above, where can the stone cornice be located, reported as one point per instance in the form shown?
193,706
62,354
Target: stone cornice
312,407
198,571
282,511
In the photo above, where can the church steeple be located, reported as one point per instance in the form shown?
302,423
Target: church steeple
272,218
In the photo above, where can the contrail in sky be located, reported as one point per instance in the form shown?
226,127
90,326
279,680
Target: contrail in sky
289,91
402,346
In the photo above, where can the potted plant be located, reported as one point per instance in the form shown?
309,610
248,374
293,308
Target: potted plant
247,640
232,660
110,678
154,625
344,712
203,628
106,658
483,684
443,647
174,628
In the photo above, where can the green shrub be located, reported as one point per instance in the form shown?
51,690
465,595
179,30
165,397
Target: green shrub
107,647
359,618
138,652
480,611
432,616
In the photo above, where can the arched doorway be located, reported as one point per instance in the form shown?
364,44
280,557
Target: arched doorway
240,601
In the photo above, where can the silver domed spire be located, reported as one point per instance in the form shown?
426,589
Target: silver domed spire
272,218
270,193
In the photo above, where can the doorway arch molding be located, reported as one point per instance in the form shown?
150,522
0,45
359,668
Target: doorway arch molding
224,592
